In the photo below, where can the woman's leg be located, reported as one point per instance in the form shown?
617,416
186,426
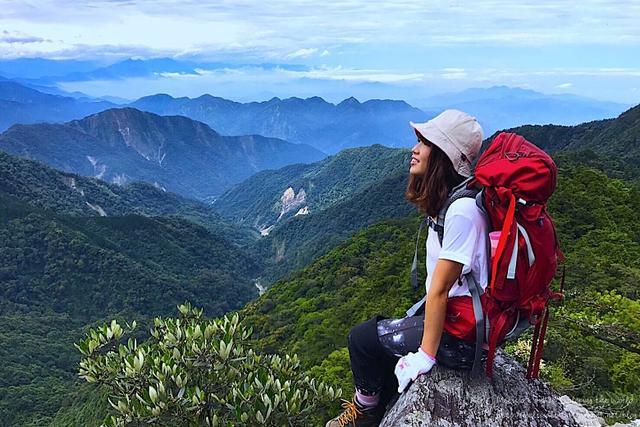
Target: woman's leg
376,345
374,349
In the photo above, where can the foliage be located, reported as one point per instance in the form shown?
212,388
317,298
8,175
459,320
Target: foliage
193,371
60,273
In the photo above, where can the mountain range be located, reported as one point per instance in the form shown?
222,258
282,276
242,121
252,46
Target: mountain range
76,250
172,152
325,126
23,104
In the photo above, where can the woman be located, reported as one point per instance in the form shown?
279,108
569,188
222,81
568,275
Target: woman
441,160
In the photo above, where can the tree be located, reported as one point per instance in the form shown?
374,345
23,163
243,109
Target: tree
195,371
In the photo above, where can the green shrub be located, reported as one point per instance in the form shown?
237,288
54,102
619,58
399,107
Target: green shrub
195,371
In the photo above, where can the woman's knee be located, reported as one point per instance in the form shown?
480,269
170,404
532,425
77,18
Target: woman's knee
364,337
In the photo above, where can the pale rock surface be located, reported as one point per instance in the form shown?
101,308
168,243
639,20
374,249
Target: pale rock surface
447,398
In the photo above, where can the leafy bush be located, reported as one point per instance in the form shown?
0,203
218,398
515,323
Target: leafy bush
195,371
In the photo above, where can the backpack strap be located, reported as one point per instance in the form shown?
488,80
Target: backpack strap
414,264
478,314
456,193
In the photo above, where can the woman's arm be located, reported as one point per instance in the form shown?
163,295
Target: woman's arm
445,275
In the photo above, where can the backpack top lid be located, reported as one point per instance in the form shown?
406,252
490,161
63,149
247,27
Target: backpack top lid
512,162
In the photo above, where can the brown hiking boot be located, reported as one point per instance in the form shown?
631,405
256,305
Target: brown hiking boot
355,415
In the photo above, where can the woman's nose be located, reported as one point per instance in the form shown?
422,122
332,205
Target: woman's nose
416,148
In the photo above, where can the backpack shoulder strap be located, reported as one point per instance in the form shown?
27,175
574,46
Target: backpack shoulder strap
456,193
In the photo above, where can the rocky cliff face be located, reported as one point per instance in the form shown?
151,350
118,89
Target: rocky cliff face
450,398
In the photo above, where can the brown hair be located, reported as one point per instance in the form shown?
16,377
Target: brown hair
429,192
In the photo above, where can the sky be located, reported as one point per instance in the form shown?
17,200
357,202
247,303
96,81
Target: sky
589,48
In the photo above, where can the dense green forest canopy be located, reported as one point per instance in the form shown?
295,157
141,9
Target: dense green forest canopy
60,273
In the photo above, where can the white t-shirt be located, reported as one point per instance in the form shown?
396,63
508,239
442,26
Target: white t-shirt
464,241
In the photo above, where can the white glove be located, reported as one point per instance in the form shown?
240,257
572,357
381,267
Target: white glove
410,366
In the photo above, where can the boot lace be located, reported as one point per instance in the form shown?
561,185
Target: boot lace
350,413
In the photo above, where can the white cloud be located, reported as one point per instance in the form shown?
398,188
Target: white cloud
355,75
280,27
564,86
454,73
302,53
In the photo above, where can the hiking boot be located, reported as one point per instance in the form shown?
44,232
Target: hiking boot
355,415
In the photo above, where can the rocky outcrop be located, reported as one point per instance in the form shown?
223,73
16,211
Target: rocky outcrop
446,398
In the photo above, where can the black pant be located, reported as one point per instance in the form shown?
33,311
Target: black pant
376,345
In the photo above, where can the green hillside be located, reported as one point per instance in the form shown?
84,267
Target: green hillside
60,273
258,201
302,239
612,145
64,193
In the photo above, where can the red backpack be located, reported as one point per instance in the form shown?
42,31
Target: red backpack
517,179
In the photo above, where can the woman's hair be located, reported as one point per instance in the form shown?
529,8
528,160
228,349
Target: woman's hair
429,192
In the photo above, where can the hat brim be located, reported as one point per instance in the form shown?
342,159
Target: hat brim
435,136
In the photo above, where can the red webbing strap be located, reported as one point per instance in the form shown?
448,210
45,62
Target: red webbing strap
534,350
504,237
540,346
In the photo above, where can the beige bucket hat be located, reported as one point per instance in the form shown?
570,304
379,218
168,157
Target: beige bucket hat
456,133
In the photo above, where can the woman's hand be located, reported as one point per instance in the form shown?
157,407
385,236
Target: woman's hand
412,365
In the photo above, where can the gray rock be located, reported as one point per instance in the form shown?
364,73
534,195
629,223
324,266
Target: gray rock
634,423
582,415
446,398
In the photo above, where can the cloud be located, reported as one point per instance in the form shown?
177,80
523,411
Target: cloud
454,73
18,38
302,53
564,86
355,75
280,27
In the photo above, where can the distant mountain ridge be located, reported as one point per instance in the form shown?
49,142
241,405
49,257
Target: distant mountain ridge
174,153
326,126
314,121
502,107
22,104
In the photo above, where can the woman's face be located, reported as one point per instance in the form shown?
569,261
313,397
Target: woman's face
419,155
